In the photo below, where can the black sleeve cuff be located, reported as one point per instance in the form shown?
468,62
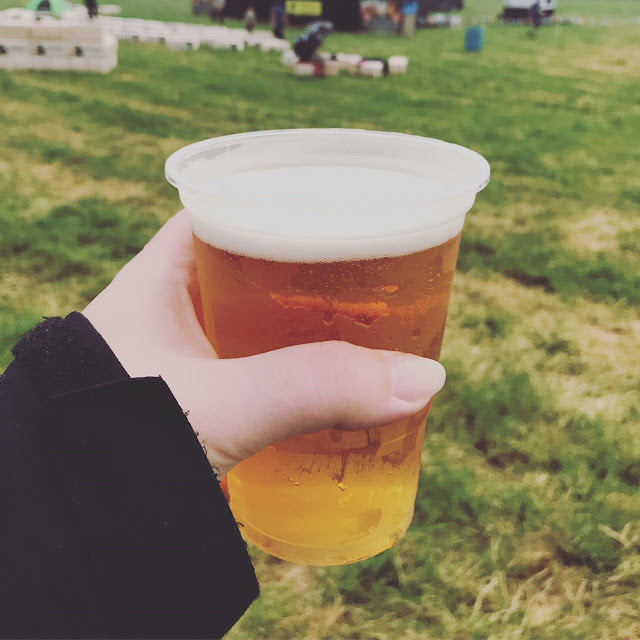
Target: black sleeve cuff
161,543
65,354
160,538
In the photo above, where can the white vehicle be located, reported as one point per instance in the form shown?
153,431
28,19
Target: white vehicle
521,9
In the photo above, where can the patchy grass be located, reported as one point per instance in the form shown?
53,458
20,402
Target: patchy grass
528,514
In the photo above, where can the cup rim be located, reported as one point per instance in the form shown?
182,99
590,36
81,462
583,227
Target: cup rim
175,176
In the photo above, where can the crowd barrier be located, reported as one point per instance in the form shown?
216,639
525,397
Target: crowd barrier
29,40
57,46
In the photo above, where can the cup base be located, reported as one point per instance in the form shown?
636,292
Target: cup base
325,556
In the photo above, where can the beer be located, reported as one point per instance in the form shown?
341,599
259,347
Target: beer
333,478
336,246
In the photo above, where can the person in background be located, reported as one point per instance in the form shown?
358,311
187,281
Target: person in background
536,17
92,8
250,18
217,11
278,18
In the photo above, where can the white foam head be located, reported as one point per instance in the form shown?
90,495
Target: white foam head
323,195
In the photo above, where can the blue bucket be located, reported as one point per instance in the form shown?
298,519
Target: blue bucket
474,38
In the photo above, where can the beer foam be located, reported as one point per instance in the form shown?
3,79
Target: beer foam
325,202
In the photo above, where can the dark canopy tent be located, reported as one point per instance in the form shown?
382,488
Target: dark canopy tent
436,6
236,8
345,14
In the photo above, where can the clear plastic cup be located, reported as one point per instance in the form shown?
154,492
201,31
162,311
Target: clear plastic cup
327,234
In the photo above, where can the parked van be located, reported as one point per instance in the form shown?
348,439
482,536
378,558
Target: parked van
521,9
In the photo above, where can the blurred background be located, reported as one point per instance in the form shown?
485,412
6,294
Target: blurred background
527,521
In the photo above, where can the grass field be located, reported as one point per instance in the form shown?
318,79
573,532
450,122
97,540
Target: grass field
527,522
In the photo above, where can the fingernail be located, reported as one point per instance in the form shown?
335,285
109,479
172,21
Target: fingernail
415,379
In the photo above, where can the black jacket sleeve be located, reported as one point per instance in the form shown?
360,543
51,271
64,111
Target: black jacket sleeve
112,523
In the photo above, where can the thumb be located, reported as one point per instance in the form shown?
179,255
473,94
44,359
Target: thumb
263,399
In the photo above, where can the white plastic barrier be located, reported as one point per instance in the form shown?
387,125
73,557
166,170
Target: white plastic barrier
211,31
348,61
57,45
14,54
398,64
289,58
15,14
371,68
217,42
177,35
131,30
182,42
332,67
304,68
49,54
237,39
86,33
155,34
274,44
14,32
227,40
254,38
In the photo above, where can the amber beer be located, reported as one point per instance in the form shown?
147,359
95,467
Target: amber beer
361,260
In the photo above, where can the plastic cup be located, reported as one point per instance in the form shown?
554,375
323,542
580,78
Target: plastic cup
313,235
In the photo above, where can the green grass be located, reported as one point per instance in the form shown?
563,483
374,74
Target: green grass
528,515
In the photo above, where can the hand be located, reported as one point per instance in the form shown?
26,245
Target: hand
149,317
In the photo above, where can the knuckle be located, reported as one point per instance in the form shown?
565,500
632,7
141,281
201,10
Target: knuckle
332,379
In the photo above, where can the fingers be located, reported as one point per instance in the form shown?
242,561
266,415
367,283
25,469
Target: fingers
307,388
166,259
165,272
151,312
